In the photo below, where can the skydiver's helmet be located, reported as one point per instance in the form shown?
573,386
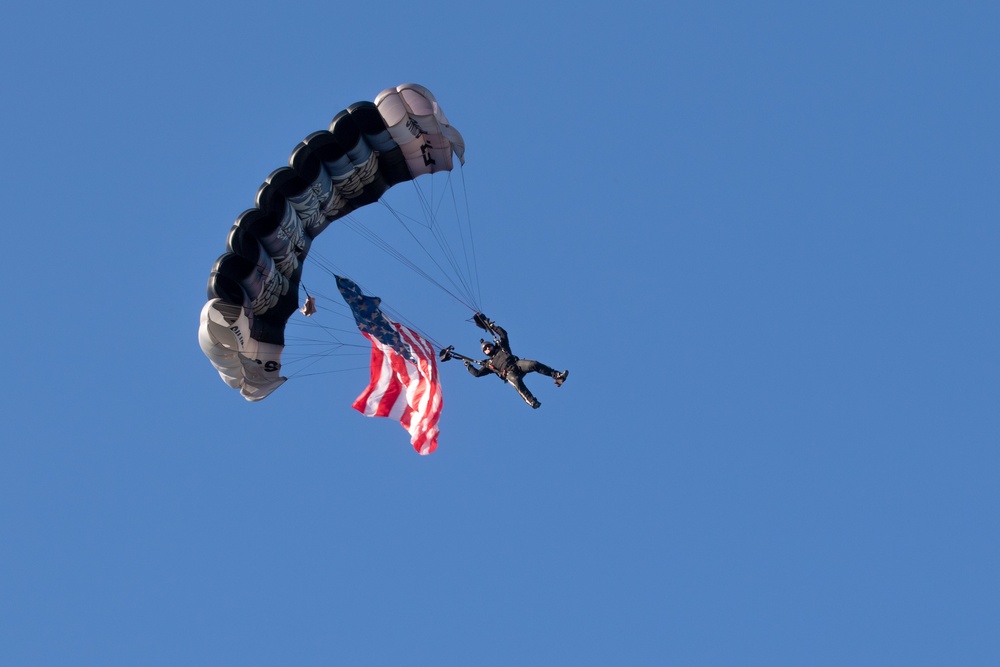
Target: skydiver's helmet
487,346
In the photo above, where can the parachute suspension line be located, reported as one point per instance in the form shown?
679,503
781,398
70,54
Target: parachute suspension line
328,267
431,209
382,244
451,276
397,317
474,270
359,228
471,263
315,342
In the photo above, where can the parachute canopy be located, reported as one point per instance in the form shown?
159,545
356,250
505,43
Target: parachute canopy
253,287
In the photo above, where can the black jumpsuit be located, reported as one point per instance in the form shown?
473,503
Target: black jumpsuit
510,368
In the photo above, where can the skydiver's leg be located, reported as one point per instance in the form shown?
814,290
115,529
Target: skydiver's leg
517,381
532,366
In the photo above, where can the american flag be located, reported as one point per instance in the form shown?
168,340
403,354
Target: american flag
404,379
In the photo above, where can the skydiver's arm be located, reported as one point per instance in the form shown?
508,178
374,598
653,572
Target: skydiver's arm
478,372
502,335
499,334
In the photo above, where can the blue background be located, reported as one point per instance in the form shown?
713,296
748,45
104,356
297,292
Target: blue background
762,237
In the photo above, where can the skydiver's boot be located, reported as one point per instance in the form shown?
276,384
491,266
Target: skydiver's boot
561,377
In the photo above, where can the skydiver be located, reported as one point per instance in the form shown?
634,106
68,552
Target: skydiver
500,360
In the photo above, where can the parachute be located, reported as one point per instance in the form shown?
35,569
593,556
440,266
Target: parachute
253,287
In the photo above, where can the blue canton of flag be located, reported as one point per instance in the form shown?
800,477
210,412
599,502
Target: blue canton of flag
370,319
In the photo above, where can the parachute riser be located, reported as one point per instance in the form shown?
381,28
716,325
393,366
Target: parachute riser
449,353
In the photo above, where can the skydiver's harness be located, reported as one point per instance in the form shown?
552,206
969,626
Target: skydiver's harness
511,363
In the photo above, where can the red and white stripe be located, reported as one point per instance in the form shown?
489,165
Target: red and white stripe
403,390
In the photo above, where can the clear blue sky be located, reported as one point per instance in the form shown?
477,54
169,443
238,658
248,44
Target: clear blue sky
763,237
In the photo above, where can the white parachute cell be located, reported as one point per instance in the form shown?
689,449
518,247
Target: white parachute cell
417,123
